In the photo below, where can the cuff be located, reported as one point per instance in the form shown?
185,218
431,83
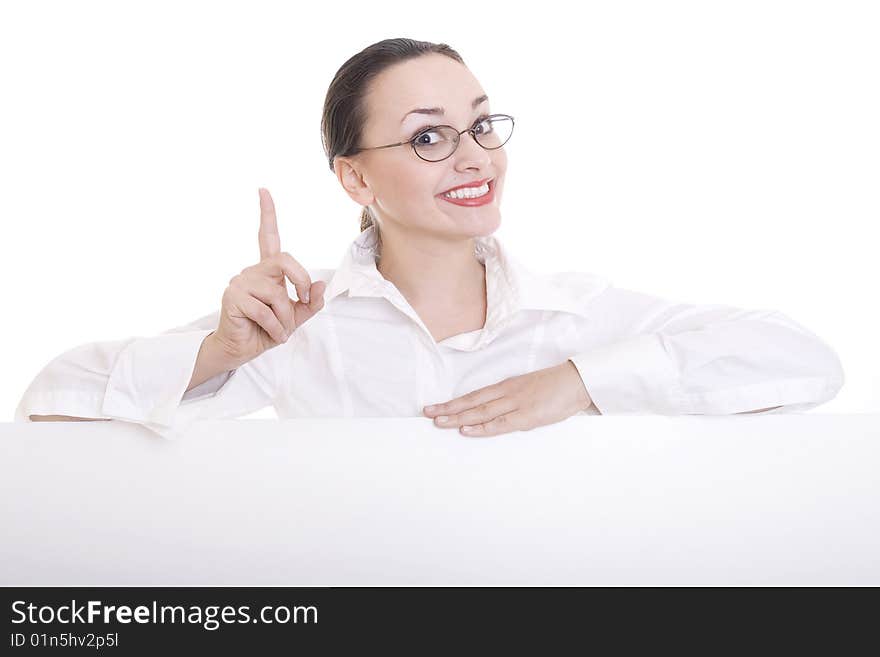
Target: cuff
150,376
632,377
76,404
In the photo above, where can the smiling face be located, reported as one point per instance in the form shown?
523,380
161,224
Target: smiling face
404,191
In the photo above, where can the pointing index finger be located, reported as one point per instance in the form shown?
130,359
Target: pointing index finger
270,242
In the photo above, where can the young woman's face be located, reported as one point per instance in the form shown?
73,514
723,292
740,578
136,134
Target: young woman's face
407,190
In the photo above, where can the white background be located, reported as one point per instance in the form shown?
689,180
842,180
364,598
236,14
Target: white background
708,152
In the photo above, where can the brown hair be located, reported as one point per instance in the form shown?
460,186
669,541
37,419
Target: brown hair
344,107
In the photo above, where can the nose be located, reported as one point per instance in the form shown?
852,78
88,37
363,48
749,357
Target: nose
469,153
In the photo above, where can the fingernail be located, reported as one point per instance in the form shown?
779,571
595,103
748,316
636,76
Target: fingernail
430,409
467,428
441,418
306,297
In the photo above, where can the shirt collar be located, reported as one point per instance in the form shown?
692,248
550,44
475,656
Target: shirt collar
510,285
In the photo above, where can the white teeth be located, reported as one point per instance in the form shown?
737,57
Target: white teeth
469,192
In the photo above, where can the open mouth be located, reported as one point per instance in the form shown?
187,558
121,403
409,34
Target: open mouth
471,195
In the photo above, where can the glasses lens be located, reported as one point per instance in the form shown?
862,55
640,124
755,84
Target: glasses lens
439,143
436,144
494,132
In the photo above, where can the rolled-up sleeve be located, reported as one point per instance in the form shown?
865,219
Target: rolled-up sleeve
144,379
657,356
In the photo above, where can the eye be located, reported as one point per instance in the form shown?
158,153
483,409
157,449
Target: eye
422,136
482,126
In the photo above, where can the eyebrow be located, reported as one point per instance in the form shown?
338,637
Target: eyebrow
439,110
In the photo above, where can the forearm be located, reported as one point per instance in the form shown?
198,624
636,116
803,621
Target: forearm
66,418
760,410
210,362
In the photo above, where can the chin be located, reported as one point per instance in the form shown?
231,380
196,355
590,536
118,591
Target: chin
477,221
481,224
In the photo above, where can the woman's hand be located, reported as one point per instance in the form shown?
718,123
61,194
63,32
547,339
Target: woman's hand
519,403
256,312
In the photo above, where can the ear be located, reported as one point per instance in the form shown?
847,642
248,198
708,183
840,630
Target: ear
350,176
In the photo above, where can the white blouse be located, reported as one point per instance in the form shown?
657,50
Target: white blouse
368,354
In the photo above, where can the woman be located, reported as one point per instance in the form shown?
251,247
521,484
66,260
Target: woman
427,307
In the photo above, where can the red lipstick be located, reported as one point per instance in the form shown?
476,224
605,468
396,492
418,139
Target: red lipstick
470,202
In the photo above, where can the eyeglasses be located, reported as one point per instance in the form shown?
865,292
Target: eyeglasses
436,143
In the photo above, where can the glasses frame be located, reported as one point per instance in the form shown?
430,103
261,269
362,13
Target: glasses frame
471,130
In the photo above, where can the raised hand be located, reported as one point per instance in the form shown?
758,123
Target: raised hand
256,313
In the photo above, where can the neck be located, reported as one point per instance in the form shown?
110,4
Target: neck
436,276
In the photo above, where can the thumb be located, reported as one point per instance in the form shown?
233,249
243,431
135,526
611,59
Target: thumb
304,311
